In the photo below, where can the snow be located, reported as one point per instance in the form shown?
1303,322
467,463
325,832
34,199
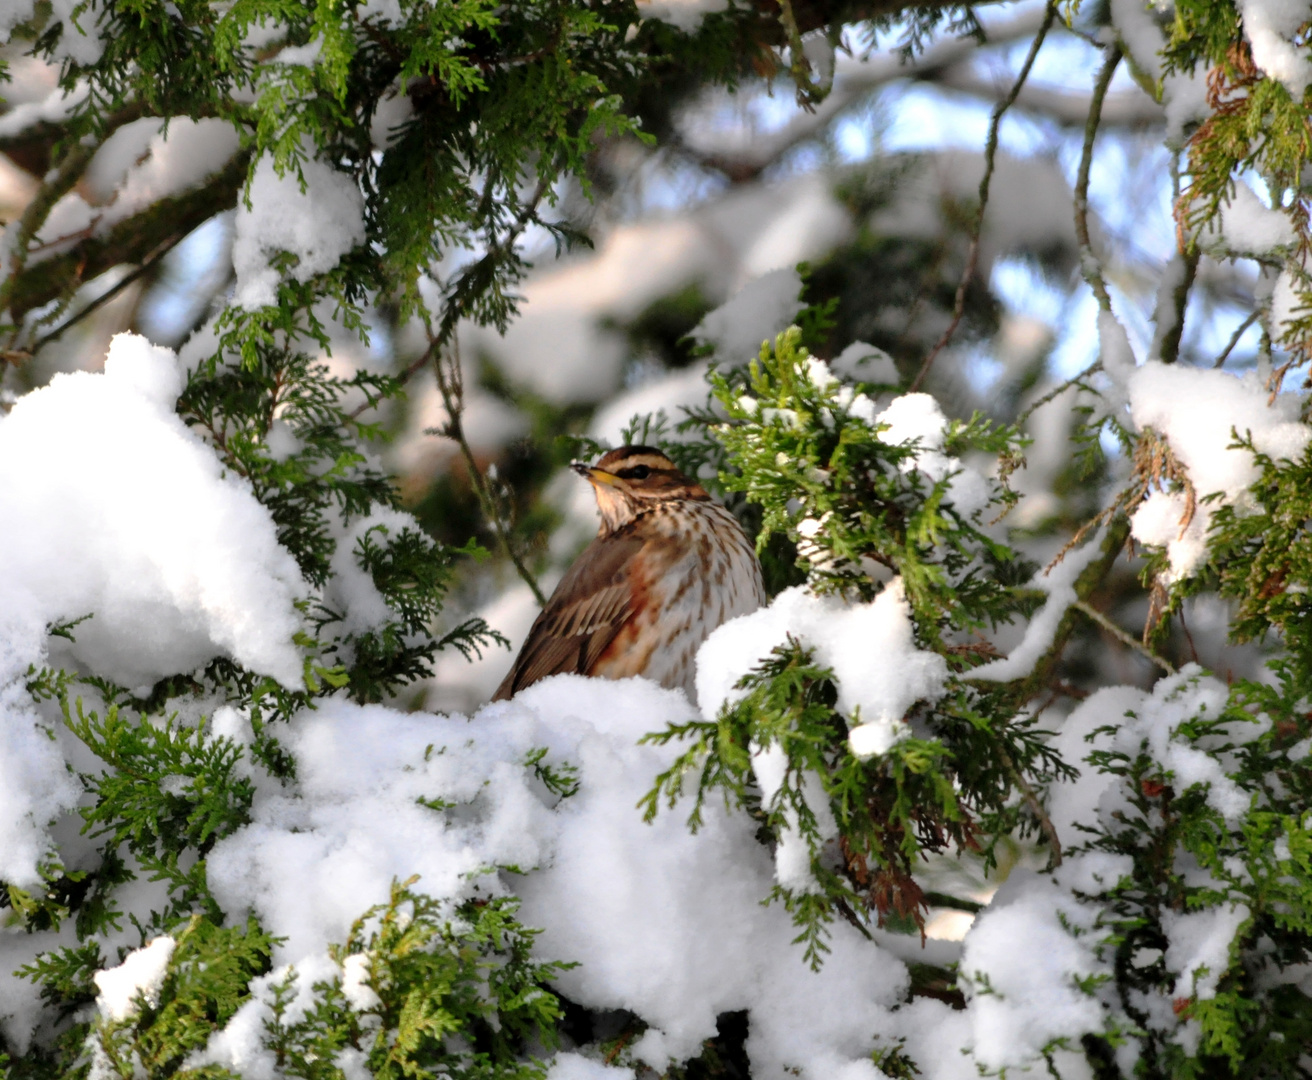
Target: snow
1199,412
917,418
1142,37
351,592
1020,965
865,363
135,168
874,697
52,108
757,312
1149,723
1157,523
1116,353
1288,301
670,925
118,510
114,509
687,15
578,1067
140,976
1248,226
792,859
318,225
1041,630
355,986
1269,25
1185,98
1199,950
664,923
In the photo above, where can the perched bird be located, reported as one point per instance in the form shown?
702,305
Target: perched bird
668,565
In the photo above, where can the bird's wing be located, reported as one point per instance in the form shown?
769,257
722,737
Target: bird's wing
590,605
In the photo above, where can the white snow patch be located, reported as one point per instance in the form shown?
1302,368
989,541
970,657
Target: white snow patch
1269,25
1199,947
1059,584
758,311
140,975
114,509
873,696
1199,412
1020,966
1247,226
318,226
687,15
918,418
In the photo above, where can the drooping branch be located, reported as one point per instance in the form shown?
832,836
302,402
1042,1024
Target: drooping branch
450,384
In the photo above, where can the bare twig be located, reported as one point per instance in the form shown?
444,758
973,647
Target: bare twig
1089,264
1036,807
149,263
1052,395
990,154
1234,338
1130,642
460,303
450,383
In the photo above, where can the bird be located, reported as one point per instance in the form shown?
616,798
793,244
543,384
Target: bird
668,565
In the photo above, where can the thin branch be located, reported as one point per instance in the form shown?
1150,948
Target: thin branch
1234,338
450,383
104,298
460,303
1052,395
1130,642
1089,264
1036,807
1172,301
990,154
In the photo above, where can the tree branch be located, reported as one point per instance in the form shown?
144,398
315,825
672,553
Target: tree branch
450,384
1089,265
131,241
1128,640
990,154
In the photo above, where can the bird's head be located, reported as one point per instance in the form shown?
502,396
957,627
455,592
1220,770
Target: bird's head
634,479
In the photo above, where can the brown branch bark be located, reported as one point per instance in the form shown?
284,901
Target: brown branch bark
130,241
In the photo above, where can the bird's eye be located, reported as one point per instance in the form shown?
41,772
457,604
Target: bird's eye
638,472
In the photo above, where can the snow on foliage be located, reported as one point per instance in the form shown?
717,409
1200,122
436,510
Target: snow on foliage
313,213
1201,414
874,697
116,514
137,979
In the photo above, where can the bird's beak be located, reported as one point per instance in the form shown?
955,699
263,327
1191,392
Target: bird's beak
594,475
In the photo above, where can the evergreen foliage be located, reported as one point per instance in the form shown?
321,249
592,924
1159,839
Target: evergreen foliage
1204,814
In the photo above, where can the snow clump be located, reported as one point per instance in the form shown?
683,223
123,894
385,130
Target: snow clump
140,976
661,922
116,513
845,636
1199,413
318,225
762,308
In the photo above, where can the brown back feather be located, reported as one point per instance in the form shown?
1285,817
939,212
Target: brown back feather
588,609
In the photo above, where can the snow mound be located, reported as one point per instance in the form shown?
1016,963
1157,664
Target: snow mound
114,509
